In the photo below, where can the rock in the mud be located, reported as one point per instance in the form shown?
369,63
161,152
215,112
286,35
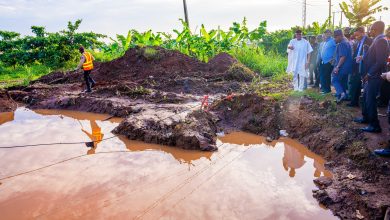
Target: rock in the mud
323,182
325,104
188,130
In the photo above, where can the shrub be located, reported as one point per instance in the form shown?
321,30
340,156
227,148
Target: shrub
150,53
240,72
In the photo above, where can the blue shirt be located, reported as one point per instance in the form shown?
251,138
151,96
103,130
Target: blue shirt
327,50
344,50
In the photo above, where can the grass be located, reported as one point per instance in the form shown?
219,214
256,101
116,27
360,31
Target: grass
266,64
313,94
21,75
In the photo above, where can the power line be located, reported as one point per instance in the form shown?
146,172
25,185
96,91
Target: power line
186,12
330,10
88,143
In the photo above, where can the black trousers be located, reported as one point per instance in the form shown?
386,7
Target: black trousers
317,75
370,104
355,87
314,74
326,77
384,95
88,79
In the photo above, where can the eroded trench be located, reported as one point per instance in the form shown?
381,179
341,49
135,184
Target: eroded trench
247,178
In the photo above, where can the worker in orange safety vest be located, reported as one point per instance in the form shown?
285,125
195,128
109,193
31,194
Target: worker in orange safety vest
86,62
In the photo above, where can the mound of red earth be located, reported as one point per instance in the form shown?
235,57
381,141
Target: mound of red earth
165,70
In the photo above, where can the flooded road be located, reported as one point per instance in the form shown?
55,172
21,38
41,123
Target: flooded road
115,178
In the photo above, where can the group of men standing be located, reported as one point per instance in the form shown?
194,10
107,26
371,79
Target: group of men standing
350,60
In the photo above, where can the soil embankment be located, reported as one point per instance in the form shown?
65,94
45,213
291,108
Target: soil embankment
159,92
6,102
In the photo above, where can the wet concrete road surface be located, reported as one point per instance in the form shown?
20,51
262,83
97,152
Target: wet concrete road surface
122,179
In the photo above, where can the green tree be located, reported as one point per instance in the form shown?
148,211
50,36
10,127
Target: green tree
360,12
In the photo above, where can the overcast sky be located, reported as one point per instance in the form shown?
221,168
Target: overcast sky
117,16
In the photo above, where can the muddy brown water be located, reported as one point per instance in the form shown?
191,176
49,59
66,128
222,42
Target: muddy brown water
123,179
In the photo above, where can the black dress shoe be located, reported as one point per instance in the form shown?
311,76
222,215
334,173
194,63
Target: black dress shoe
371,129
360,120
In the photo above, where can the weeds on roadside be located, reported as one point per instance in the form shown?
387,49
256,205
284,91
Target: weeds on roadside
265,64
313,94
21,75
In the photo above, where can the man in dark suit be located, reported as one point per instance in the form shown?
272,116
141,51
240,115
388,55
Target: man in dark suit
355,79
375,64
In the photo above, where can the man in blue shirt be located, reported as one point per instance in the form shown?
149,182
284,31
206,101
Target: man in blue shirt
355,80
343,65
375,64
326,54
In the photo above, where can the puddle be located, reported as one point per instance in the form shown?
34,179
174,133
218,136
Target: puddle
119,178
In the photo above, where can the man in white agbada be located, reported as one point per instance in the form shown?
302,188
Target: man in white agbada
300,50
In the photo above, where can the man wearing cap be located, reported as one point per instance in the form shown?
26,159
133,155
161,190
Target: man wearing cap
301,50
355,83
326,53
343,65
375,64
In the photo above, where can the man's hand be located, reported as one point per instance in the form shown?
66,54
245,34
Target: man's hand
359,59
291,47
385,76
336,70
365,79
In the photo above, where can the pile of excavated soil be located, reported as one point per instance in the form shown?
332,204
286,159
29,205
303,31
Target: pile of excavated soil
165,70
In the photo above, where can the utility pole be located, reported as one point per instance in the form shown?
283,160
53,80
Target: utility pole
333,19
341,18
186,12
304,14
330,10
